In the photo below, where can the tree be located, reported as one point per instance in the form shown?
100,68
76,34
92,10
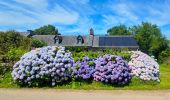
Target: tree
13,45
150,38
10,39
119,30
46,30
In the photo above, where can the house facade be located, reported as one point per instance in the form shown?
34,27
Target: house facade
91,41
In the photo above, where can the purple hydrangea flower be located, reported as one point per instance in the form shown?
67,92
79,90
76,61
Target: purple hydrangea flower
84,69
112,69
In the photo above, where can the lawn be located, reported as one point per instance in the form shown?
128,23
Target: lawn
135,83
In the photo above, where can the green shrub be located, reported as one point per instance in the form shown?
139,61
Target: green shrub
38,43
3,69
9,39
77,48
13,39
14,54
164,57
165,53
94,54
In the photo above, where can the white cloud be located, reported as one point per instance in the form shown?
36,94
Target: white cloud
79,1
58,15
125,10
13,18
82,27
131,13
159,15
113,20
38,4
36,12
121,13
77,16
15,8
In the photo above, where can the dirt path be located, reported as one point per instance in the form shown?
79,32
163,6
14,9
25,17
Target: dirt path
48,94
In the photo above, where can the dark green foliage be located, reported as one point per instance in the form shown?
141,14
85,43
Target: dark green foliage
4,68
38,43
77,49
46,30
12,39
94,54
165,53
119,30
150,38
14,54
13,46
164,56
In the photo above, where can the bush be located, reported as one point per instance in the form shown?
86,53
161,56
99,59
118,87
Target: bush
94,54
43,66
77,48
15,53
84,69
112,69
10,39
144,67
38,43
165,56
12,46
165,53
4,69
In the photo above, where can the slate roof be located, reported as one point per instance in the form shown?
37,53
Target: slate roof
66,40
97,41
24,33
117,41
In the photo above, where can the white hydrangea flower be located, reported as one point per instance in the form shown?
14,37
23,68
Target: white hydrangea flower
144,66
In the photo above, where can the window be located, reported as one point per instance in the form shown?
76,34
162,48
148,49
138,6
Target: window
57,39
80,40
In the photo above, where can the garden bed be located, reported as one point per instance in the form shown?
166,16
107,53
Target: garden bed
135,83
57,68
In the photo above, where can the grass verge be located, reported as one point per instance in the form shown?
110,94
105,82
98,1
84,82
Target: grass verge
135,83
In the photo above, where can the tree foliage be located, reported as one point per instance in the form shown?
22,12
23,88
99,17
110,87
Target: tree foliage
150,38
119,30
13,45
46,30
12,39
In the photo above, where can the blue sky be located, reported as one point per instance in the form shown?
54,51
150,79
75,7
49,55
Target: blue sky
78,16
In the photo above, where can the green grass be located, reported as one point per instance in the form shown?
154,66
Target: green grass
6,82
135,83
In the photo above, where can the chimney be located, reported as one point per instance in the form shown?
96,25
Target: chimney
91,36
91,31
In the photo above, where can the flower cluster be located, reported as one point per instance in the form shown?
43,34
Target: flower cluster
144,66
112,69
54,65
84,69
50,64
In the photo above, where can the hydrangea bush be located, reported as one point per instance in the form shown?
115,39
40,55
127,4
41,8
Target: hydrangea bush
84,69
49,64
144,66
112,69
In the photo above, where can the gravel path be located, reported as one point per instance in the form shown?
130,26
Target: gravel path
51,94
